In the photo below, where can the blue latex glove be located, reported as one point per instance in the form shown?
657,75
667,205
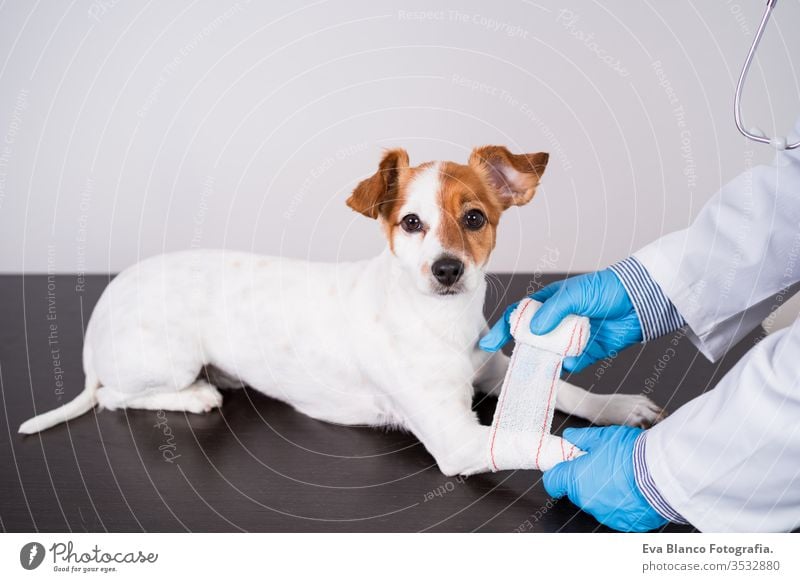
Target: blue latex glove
600,296
602,482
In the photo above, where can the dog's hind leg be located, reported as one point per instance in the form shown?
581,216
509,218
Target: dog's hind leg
490,371
628,409
198,397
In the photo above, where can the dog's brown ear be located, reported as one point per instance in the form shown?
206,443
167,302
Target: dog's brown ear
374,196
514,177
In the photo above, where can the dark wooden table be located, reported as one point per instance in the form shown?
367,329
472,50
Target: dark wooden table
257,465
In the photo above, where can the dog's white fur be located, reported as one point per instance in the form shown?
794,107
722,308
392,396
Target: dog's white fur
353,343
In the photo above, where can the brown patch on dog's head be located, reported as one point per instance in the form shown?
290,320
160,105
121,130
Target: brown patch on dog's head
492,181
465,193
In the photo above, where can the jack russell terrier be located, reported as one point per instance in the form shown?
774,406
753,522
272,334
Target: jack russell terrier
390,341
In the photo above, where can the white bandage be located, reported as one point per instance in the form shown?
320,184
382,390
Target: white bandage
520,437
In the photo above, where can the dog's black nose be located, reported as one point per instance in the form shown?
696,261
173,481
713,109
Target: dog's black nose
447,271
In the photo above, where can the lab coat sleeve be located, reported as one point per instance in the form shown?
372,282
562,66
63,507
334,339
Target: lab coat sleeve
723,272
727,461
657,315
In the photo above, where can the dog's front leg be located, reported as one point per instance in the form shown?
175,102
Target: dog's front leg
448,427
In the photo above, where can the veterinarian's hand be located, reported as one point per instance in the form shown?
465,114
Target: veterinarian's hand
602,481
600,296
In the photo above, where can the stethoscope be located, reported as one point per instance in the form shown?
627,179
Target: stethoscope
779,143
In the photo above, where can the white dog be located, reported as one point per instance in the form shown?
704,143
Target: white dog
388,341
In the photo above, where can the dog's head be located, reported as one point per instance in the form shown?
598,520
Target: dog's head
441,217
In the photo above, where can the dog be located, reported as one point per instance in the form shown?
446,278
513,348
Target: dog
390,341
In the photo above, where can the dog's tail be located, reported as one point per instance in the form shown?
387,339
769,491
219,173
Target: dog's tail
81,404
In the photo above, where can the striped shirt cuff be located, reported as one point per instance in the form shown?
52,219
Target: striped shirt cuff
648,487
657,315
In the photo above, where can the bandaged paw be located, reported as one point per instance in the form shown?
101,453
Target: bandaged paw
520,436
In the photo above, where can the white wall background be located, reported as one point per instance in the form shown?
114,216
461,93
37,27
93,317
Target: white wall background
129,128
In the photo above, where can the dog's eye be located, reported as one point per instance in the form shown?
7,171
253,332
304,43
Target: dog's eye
411,223
474,219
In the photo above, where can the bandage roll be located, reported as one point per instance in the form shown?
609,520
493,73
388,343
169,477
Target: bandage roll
568,339
520,436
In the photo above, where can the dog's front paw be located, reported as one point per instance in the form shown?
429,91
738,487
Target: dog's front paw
628,409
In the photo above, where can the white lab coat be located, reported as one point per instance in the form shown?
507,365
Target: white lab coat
730,459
